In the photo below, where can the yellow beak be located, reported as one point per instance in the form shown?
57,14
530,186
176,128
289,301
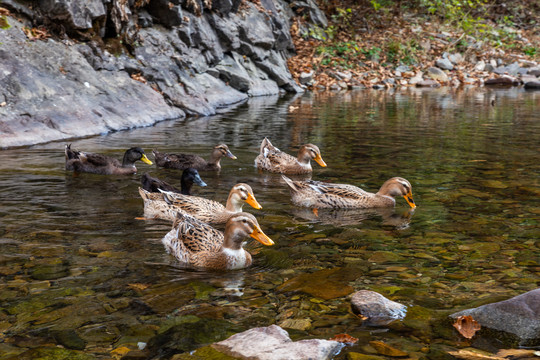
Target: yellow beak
145,160
409,199
319,160
261,237
254,204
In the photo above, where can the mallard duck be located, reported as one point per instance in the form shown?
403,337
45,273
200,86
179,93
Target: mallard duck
184,161
198,245
317,194
274,160
189,177
165,205
79,161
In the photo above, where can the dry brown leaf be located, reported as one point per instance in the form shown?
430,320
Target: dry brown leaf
4,11
138,286
138,77
344,338
467,326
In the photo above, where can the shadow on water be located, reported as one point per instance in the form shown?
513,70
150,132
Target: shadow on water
75,260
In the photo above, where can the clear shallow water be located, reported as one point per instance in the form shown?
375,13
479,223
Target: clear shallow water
74,260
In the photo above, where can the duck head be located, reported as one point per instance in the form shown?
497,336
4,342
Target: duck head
398,186
310,152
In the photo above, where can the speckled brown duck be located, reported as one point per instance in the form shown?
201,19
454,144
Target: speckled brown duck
316,194
184,161
274,160
87,162
165,205
189,178
198,245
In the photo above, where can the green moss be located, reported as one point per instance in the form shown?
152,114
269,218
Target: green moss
4,23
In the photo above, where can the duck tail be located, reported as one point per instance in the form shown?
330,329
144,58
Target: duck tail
167,196
264,144
289,182
144,194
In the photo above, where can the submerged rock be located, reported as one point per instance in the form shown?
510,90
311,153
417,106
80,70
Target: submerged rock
519,315
274,343
376,308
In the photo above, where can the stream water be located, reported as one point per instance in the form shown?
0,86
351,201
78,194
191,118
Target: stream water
77,269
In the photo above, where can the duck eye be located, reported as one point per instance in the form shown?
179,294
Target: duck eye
244,221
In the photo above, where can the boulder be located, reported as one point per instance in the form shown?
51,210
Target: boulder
428,83
79,15
444,64
274,343
519,315
532,85
437,74
503,81
377,309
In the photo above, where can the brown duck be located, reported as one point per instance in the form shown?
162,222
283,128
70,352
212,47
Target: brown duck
316,194
80,161
198,245
274,160
184,161
165,205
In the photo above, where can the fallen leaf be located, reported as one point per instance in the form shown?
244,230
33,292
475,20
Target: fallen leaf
472,355
344,338
467,326
138,286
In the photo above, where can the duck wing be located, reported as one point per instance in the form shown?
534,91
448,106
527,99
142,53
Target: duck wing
198,207
153,184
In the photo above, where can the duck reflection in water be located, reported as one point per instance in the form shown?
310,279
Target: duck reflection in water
344,217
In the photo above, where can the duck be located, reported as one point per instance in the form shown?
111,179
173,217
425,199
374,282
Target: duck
79,161
320,195
184,161
189,177
274,160
198,245
165,205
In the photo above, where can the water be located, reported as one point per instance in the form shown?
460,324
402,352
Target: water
78,269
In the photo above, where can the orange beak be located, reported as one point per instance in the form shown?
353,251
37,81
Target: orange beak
253,203
319,160
261,237
409,199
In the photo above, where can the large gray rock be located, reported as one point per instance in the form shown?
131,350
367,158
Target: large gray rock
274,343
51,92
437,74
75,13
377,309
519,315
444,64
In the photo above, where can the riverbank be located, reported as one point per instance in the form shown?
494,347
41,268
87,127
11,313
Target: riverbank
411,49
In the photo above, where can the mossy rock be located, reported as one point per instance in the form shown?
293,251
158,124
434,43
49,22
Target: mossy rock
204,353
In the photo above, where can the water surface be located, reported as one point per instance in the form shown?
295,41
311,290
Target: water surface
78,269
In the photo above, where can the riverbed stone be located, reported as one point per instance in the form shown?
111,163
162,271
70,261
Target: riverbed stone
376,308
532,85
274,343
444,64
325,284
437,74
519,315
504,80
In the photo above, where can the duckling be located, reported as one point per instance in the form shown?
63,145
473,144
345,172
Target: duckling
316,194
274,160
198,245
165,205
79,161
184,161
189,177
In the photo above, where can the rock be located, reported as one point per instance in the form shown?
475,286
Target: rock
519,315
455,58
503,81
437,74
534,71
444,64
74,13
532,85
274,343
306,78
324,284
428,83
376,308
403,68
480,66
387,350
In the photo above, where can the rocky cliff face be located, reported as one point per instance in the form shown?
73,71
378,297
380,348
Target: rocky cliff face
115,64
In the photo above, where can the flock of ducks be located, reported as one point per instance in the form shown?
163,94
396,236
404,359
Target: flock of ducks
193,240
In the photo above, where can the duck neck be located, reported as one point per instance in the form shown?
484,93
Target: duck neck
215,158
303,158
185,186
234,203
127,161
232,238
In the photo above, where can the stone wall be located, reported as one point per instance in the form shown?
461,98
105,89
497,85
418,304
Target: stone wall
116,64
